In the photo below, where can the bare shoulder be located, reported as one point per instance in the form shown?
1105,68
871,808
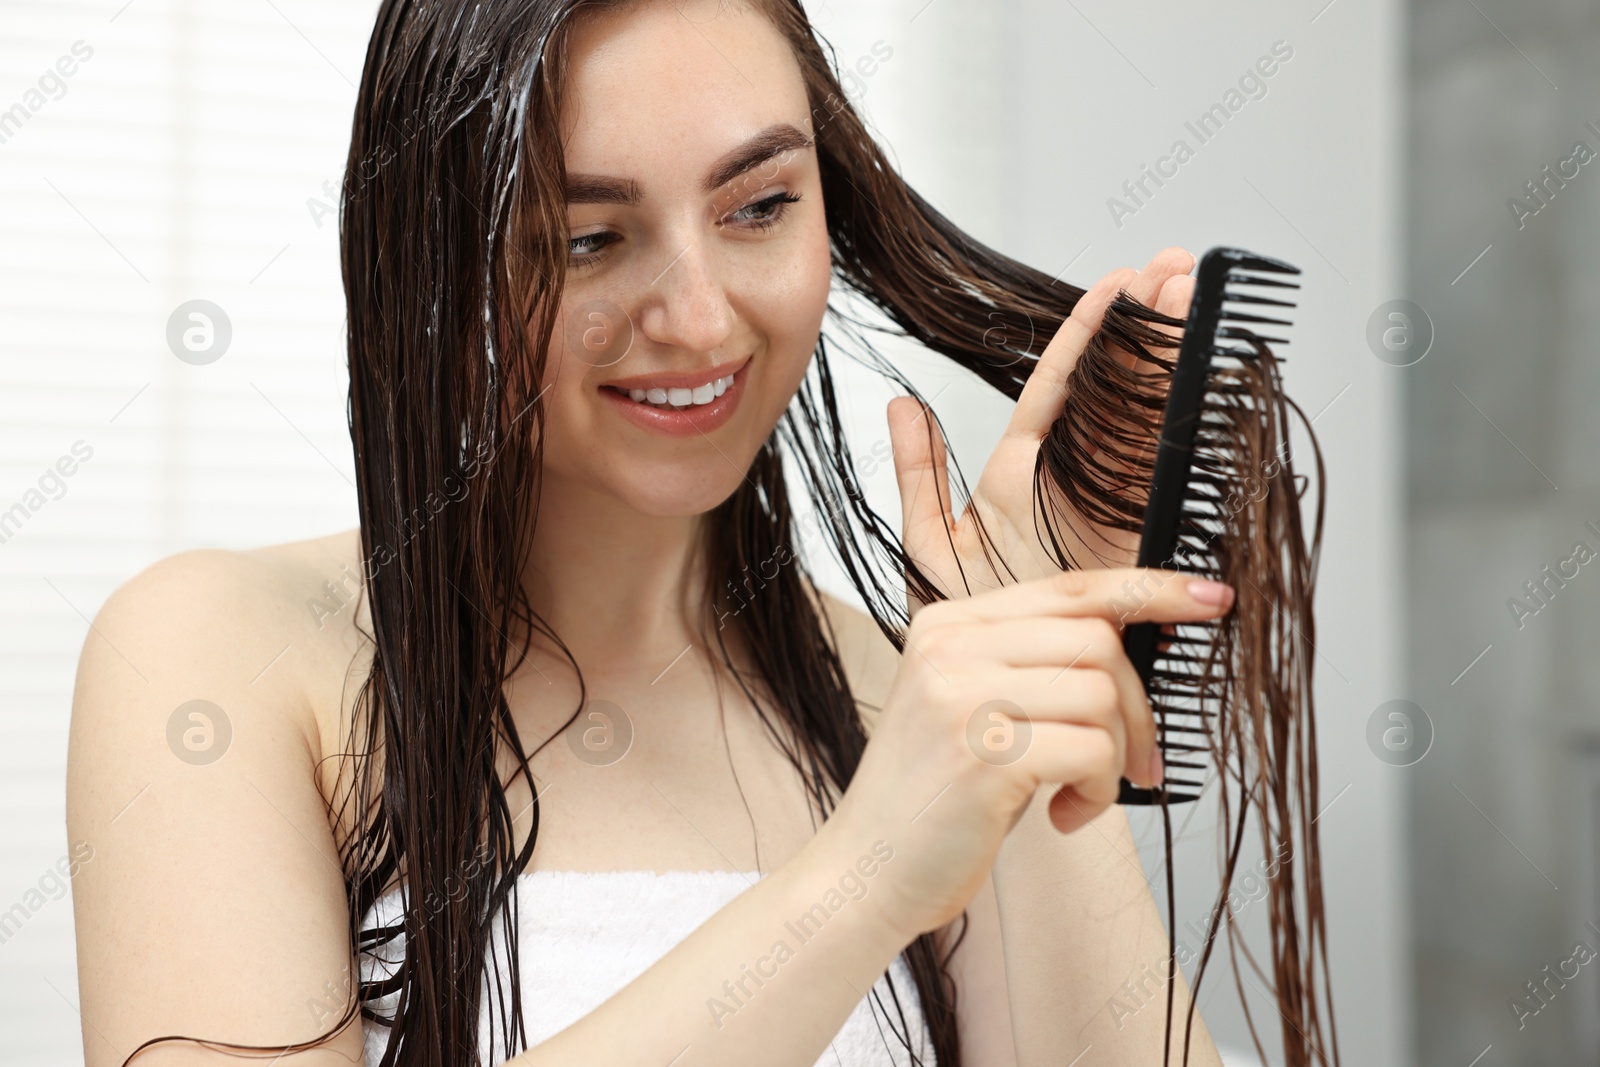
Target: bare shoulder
869,658
320,599
275,622
267,640
195,804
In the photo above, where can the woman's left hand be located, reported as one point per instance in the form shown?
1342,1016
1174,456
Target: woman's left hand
949,550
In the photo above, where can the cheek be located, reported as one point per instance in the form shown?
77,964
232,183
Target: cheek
567,413
790,305
590,332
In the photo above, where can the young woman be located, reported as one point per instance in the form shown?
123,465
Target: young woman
588,248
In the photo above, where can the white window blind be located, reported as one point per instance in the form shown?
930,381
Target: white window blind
168,158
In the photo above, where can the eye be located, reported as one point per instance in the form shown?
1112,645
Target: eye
764,214
587,248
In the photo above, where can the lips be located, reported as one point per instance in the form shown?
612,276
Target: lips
657,412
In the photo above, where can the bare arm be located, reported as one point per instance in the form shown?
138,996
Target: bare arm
208,897
1062,923
977,963
978,968
1085,949
209,902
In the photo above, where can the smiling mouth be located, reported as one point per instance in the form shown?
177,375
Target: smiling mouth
678,398
677,404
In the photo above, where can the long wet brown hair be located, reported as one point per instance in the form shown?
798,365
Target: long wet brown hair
1254,677
454,245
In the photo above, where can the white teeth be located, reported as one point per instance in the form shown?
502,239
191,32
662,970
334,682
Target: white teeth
681,398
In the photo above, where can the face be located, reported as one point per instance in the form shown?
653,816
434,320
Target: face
698,266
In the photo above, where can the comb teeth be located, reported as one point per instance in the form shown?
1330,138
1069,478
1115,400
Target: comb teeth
1233,324
1274,283
1197,471
1240,316
1251,298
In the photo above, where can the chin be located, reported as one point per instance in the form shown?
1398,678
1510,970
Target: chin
679,492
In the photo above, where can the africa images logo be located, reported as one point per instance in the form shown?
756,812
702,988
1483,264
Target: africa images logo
1252,85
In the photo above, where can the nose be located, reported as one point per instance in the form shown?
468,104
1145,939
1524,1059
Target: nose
686,306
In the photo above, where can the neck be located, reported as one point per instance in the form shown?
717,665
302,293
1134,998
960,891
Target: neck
622,589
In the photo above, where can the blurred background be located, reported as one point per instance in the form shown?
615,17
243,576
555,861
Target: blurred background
1430,165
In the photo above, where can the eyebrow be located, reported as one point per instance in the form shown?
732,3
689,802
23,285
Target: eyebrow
772,141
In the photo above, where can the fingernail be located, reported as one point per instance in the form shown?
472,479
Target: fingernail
1217,594
1158,768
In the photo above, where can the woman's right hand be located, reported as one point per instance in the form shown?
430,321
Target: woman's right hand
996,695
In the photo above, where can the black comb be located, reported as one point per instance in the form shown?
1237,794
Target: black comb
1235,299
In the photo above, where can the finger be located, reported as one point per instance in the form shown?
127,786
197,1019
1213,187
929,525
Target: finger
1048,643
923,475
1082,759
1086,697
1176,293
1005,723
1037,411
1060,671
1070,809
1170,267
1120,594
1174,300
1039,404
1168,632
1164,265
